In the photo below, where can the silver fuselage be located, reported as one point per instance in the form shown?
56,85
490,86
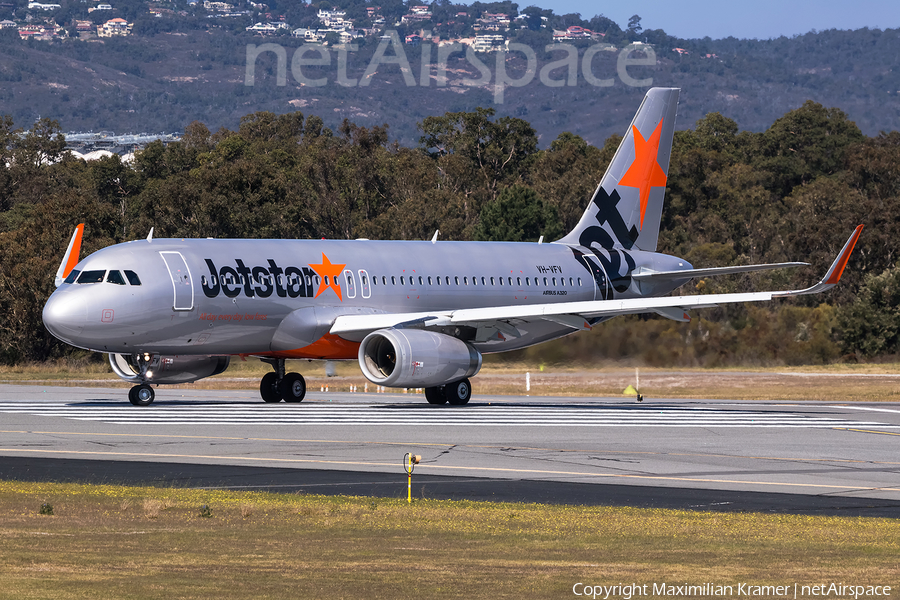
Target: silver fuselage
234,297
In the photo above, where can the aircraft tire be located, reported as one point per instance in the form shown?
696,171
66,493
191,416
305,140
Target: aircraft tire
268,388
292,388
141,395
458,392
435,395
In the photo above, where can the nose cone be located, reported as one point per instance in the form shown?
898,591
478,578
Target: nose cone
65,315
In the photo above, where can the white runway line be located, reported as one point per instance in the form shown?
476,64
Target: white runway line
475,416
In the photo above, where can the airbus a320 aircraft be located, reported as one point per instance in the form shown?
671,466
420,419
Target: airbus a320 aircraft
414,314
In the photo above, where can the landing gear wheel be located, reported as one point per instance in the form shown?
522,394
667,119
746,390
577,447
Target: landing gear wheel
458,393
141,395
435,395
268,388
292,388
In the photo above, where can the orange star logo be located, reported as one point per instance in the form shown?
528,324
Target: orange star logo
329,273
645,171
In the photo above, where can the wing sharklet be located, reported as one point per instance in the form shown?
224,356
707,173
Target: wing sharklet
71,257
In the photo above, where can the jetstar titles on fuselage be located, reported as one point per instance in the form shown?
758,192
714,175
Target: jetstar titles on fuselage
263,281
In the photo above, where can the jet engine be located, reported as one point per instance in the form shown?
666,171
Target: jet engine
166,369
416,358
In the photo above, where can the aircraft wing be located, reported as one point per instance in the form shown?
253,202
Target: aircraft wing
577,314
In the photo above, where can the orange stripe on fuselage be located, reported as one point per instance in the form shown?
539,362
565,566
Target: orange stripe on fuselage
329,347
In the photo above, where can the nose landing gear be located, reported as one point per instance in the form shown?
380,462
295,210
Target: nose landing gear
278,386
141,395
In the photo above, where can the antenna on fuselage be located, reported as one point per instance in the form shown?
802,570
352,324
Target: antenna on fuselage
150,235
541,240
434,239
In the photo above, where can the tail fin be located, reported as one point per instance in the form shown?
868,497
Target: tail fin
627,206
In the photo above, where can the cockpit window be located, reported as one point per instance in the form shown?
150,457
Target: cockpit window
115,277
72,276
92,277
133,279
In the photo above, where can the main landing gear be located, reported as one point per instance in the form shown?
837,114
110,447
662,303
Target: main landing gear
457,393
278,386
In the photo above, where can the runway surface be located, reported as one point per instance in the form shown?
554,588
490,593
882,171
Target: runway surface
787,457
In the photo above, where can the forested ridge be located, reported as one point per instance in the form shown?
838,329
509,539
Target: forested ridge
792,192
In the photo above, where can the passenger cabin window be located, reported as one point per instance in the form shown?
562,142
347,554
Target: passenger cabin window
429,280
132,277
91,277
115,277
72,276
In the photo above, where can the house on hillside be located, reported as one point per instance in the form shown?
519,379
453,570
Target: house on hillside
115,27
266,28
39,6
7,25
489,42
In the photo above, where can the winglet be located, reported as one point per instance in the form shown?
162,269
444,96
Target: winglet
834,273
71,257
837,268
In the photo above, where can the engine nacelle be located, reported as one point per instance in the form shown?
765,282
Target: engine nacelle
416,358
166,369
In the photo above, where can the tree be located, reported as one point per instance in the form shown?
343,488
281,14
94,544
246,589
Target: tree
518,215
634,26
533,18
477,156
871,325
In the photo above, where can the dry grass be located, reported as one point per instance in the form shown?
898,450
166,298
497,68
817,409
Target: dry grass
833,383
330,547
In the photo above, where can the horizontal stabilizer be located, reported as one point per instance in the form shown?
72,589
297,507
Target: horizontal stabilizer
710,272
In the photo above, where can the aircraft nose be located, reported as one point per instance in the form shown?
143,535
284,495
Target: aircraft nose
64,315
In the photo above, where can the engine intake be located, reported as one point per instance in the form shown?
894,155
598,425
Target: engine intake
416,358
167,369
